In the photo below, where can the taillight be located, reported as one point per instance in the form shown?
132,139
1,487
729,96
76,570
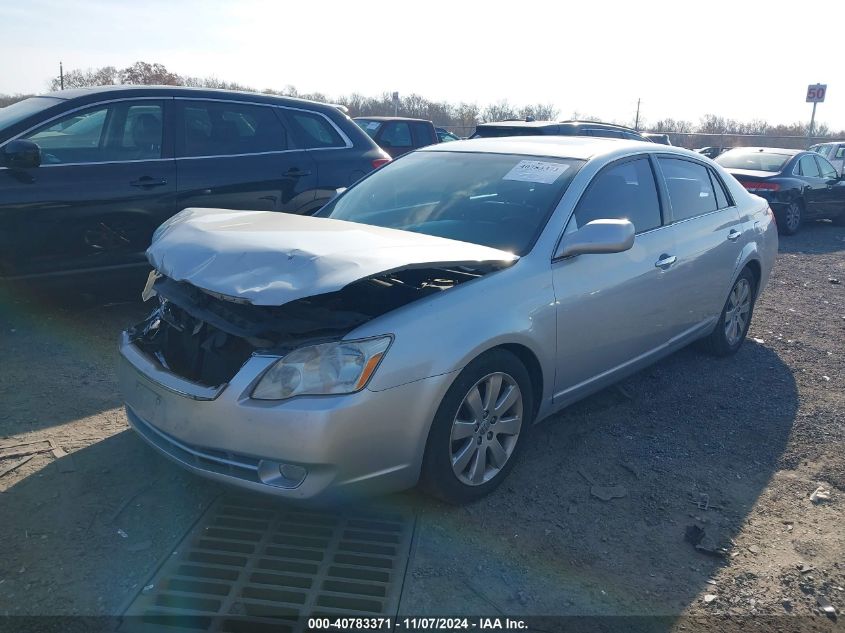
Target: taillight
378,162
760,186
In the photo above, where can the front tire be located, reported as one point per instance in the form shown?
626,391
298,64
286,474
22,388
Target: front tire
479,429
790,219
732,328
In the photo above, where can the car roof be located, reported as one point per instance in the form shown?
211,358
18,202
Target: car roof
771,150
388,118
93,92
578,147
541,124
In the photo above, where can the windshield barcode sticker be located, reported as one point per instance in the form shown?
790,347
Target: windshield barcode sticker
536,171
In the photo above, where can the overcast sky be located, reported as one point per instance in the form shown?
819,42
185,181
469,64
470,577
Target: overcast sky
740,59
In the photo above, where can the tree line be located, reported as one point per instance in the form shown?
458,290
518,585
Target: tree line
460,117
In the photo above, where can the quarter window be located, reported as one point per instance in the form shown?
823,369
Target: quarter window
622,191
225,129
807,167
690,190
722,199
316,130
828,172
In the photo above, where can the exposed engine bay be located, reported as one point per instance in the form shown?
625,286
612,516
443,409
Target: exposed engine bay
206,337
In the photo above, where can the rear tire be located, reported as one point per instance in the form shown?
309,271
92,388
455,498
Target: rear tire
733,324
473,444
789,220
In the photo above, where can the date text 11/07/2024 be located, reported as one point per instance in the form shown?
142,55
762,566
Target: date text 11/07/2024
416,624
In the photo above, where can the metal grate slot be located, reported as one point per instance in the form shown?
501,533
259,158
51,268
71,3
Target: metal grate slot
251,564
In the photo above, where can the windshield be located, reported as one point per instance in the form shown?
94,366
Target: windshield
497,200
754,160
370,127
17,112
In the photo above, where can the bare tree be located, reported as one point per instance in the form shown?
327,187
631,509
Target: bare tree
143,73
500,111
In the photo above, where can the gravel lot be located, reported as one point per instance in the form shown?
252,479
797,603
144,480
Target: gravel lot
725,453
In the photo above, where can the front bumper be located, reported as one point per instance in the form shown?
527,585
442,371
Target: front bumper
370,441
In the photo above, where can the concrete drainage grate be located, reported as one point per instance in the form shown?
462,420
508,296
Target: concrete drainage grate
251,564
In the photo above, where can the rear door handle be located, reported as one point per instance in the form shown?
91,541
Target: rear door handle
148,181
733,235
665,261
296,173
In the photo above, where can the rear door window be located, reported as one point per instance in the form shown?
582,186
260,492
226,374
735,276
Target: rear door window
315,130
212,128
690,188
807,167
624,190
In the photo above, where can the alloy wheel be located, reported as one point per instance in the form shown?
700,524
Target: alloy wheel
793,216
737,311
486,428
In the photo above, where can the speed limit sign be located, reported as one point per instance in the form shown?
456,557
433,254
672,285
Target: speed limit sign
816,93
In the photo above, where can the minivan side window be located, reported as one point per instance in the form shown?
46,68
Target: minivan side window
624,190
117,132
690,189
424,134
396,134
212,128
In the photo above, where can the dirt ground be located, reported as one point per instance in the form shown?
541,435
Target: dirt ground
722,453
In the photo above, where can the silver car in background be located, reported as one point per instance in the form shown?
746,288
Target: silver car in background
436,310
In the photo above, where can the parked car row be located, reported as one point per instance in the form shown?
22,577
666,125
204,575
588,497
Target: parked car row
337,348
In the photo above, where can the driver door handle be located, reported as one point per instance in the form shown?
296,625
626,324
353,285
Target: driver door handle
733,235
665,261
148,181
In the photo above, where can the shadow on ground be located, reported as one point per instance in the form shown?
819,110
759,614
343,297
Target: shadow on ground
690,433
814,238
59,348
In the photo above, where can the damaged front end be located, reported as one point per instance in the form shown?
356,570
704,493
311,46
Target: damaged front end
206,337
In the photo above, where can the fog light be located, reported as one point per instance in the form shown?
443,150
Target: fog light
294,474
287,476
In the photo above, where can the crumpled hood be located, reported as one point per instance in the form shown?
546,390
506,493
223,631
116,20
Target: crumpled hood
270,258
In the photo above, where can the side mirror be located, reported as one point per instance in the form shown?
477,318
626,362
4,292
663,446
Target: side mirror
598,236
20,154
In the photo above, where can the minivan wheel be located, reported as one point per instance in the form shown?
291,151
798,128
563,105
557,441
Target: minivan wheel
735,319
479,428
791,218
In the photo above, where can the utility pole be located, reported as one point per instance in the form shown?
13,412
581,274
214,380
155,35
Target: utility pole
61,77
637,121
812,121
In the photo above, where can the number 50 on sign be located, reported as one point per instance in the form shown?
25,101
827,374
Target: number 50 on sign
816,93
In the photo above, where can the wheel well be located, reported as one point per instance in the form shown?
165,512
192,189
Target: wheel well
535,371
754,267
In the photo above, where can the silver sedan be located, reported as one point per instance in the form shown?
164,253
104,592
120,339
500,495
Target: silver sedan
432,313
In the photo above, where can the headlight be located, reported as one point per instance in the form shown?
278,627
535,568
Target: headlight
340,367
